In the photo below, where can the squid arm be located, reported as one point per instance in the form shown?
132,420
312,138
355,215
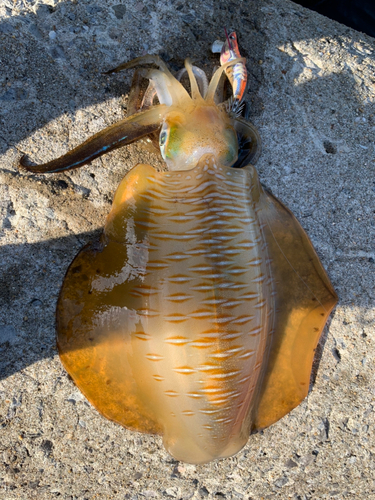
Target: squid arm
141,61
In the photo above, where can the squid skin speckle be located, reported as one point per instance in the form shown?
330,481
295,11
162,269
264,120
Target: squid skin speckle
197,315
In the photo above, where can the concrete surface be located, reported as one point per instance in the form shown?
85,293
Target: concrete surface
312,93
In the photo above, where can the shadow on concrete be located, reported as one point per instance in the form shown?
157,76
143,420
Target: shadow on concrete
29,288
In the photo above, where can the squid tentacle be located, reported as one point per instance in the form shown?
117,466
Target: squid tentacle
120,134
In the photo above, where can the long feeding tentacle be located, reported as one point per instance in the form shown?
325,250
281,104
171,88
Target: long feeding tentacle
124,132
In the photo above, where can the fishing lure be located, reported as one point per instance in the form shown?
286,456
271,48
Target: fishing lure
197,313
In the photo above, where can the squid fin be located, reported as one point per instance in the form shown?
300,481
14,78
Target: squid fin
93,330
304,299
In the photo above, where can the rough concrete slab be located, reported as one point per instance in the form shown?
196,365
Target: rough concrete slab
312,92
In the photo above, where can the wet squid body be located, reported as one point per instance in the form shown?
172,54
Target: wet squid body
197,314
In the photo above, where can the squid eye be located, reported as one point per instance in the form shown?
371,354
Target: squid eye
163,138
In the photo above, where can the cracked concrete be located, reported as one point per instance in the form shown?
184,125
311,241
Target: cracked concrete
312,93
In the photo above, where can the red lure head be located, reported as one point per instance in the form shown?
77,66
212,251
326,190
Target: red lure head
230,49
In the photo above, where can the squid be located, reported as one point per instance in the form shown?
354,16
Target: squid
197,313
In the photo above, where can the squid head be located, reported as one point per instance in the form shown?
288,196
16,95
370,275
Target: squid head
191,126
